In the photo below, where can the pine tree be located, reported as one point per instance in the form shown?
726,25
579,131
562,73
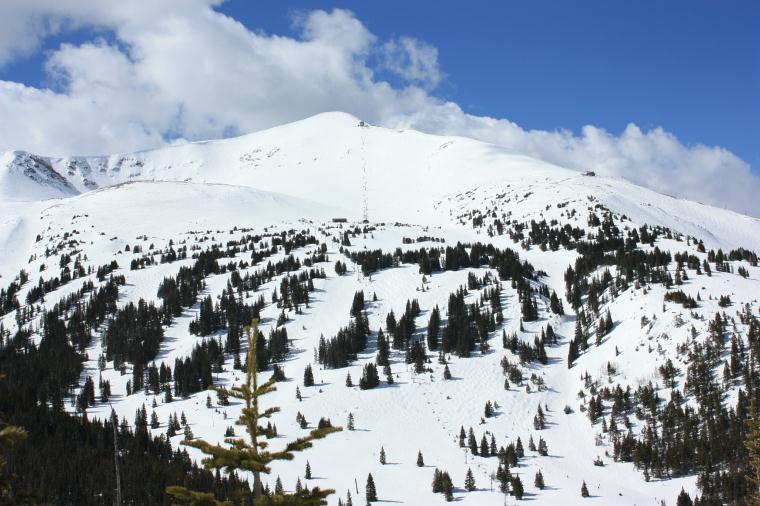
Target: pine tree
584,490
252,456
278,490
752,443
170,430
519,451
684,499
472,443
388,374
308,376
580,336
307,473
448,487
382,455
383,351
555,304
517,487
572,353
437,481
484,449
503,477
469,481
350,424
420,461
349,383
370,489
543,449
433,329
446,372
369,378
539,481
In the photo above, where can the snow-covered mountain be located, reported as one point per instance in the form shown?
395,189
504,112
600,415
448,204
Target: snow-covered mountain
333,156
259,198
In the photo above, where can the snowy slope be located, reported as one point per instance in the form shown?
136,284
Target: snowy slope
300,176
329,156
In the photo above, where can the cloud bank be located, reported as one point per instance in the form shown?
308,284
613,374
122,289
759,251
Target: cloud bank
158,71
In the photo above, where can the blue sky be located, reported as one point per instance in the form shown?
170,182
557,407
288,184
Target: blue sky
692,67
665,94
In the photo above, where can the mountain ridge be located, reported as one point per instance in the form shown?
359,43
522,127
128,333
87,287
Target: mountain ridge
334,156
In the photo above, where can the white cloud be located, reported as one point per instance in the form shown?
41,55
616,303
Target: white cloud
414,60
178,68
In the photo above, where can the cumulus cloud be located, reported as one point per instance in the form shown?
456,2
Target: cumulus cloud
181,69
414,60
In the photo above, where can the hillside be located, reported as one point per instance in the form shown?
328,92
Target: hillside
573,286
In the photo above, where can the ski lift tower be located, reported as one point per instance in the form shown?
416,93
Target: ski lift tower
365,193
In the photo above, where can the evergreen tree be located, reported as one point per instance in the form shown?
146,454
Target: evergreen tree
433,329
684,499
448,487
369,378
371,492
484,448
503,477
420,461
278,490
543,449
383,349
382,455
539,480
517,487
572,353
308,376
469,481
752,443
252,456
388,374
472,443
307,473
437,481
584,490
555,304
